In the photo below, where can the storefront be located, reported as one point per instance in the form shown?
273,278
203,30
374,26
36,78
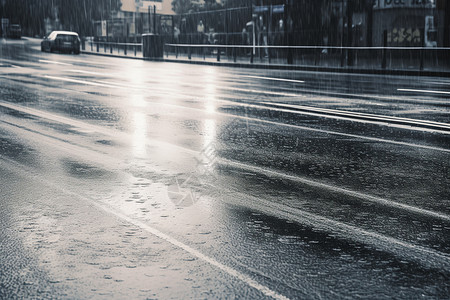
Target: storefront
408,23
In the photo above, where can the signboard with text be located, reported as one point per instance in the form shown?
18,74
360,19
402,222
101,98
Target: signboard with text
404,37
384,4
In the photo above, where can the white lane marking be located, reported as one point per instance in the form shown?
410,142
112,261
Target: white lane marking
242,277
88,72
359,114
97,83
19,168
124,86
82,81
447,83
274,79
55,62
426,256
295,178
106,131
313,183
424,91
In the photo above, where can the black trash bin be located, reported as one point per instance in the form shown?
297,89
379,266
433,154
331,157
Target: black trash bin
153,45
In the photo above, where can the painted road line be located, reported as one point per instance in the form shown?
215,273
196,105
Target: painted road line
270,172
55,62
425,256
88,72
424,91
84,82
365,116
76,123
275,79
335,189
21,170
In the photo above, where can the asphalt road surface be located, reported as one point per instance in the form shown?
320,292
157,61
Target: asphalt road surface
125,178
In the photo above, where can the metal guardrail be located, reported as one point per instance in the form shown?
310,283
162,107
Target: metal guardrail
380,57
410,58
111,46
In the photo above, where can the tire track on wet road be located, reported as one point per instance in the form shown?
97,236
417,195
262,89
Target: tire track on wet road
427,257
433,256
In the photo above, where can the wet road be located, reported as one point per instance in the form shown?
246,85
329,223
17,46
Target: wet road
127,178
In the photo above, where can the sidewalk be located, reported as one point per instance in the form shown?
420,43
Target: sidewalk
315,63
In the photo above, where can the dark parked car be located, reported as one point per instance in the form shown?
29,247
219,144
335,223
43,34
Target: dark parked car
14,31
62,41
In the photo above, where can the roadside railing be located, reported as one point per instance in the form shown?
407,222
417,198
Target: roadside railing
384,58
411,58
114,48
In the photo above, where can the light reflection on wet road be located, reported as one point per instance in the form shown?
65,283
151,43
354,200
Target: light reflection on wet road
127,178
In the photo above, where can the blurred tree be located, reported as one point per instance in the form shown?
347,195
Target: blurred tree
76,15
28,13
183,6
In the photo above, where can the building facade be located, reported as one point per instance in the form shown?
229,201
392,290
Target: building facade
408,23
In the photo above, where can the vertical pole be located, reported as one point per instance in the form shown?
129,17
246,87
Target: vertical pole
421,59
189,47
154,19
349,32
269,28
289,25
106,35
370,26
383,52
149,17
226,24
253,51
422,53
342,35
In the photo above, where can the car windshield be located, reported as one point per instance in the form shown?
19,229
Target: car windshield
67,37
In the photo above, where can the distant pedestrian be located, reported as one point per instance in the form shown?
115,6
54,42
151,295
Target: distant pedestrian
245,40
200,31
176,34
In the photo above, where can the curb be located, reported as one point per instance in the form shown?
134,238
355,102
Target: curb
416,73
110,55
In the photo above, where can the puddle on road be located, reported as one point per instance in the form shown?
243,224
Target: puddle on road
83,170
